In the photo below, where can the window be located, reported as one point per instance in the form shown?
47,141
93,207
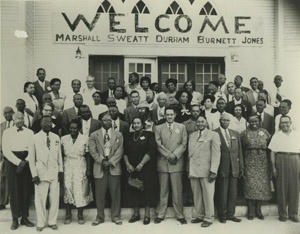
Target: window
174,70
140,8
204,73
143,69
174,9
103,67
106,7
208,9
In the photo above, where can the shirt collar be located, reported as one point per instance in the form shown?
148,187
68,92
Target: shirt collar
104,131
42,84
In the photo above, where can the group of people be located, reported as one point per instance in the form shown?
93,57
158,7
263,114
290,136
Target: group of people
137,143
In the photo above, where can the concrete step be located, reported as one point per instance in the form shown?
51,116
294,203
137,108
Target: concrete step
90,214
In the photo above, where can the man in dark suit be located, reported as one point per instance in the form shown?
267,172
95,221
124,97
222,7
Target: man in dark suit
267,121
252,94
131,111
71,113
41,86
238,80
8,113
117,123
238,99
111,84
230,169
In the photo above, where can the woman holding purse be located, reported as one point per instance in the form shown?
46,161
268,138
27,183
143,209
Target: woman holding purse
77,188
140,164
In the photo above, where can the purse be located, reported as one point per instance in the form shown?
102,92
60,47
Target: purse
136,183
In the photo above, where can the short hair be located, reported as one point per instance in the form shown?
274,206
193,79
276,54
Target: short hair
238,76
123,90
171,80
202,116
77,94
229,84
221,99
20,99
278,77
170,108
238,88
136,76
145,78
39,69
162,95
211,97
285,116
288,102
253,115
48,104
134,91
76,121
253,78
238,105
84,106
261,99
189,81
26,85
75,80
215,83
8,109
96,92
89,76
180,92
52,81
18,114
223,115
152,85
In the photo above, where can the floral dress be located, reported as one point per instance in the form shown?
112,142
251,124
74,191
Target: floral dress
77,188
256,164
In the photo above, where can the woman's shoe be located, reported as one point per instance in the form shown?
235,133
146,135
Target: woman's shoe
134,218
146,220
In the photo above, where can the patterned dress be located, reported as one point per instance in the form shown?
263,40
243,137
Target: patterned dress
257,164
77,188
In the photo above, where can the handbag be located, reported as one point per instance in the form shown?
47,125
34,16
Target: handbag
136,183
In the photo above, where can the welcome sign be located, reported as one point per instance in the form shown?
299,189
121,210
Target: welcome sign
170,28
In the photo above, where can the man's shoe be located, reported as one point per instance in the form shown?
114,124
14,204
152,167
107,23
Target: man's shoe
2,207
234,219
118,222
250,217
206,224
97,222
81,220
26,222
282,219
39,229
146,220
134,218
68,220
158,220
53,227
14,225
260,216
182,221
222,220
196,220
294,219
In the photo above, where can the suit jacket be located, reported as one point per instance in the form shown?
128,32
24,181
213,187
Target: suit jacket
96,148
153,115
231,162
168,143
39,161
246,108
190,126
67,116
268,123
39,91
130,113
250,97
95,125
124,127
104,96
204,153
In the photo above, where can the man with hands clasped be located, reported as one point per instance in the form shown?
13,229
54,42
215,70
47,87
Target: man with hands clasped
47,172
171,139
204,159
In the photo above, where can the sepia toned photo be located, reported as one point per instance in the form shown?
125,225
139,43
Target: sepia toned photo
150,116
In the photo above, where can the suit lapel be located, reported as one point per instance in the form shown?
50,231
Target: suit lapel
222,137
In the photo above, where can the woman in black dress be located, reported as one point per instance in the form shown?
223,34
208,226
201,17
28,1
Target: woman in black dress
183,107
140,164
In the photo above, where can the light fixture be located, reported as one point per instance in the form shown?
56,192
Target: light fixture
78,53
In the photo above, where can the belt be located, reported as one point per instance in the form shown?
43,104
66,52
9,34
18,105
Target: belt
21,154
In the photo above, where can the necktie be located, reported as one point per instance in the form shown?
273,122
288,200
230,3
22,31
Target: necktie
227,138
115,125
278,96
199,134
106,137
170,128
48,141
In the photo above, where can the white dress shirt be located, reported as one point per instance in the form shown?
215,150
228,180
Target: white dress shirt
291,115
121,104
269,109
14,140
215,120
160,112
197,98
86,125
273,94
116,124
98,109
88,96
238,125
42,84
69,100
31,102
224,132
284,142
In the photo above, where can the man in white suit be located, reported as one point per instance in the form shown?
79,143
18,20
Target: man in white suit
204,160
47,172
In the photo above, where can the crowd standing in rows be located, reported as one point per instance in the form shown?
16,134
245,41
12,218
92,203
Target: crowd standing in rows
138,143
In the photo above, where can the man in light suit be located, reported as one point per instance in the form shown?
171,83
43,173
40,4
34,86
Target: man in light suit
252,94
131,111
41,86
46,168
204,158
8,113
230,169
71,113
267,121
106,147
171,139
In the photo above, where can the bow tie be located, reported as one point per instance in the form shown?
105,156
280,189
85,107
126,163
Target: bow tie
19,129
185,111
